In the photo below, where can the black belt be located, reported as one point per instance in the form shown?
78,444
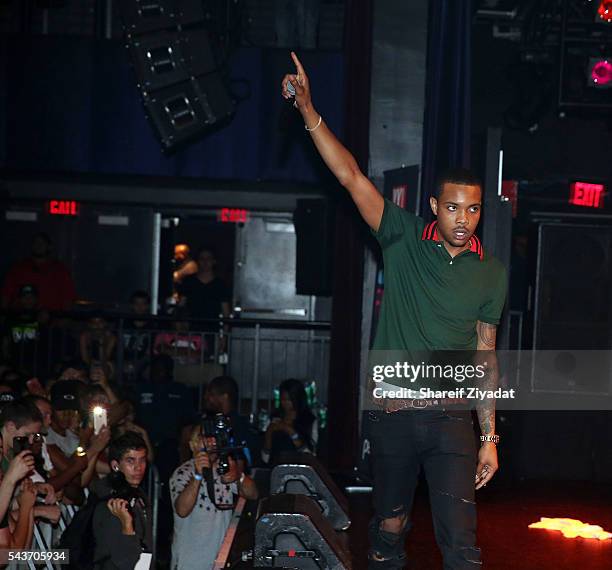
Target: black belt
421,404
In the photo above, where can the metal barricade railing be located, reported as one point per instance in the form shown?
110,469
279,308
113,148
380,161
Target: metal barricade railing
40,543
153,490
259,353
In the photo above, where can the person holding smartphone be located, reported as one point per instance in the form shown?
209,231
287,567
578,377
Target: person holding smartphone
20,426
18,469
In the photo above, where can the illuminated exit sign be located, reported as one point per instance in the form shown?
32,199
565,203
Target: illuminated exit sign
63,208
587,195
233,215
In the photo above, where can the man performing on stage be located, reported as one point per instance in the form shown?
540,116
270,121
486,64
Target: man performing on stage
442,292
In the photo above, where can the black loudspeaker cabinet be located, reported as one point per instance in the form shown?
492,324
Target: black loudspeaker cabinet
165,58
291,532
182,111
572,329
313,265
303,474
182,90
146,16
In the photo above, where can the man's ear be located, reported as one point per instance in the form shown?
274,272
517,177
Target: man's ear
433,203
114,465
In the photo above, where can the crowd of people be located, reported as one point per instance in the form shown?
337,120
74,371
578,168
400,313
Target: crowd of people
52,455
57,453
38,295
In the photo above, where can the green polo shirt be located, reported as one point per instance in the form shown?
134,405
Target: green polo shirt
432,300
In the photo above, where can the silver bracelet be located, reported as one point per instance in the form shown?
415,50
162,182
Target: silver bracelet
492,438
315,127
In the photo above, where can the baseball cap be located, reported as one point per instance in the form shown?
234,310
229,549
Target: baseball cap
28,289
65,395
6,397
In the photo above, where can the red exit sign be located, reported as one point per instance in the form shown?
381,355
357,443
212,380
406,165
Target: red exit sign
233,215
63,208
587,194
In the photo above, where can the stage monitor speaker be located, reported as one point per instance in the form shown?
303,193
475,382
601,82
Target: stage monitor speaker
303,474
291,532
572,331
146,16
313,265
170,57
182,111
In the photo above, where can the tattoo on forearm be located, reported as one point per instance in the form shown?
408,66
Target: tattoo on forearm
486,419
487,334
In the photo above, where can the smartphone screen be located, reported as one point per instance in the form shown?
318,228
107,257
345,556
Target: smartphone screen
99,418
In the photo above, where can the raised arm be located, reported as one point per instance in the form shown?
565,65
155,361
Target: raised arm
337,157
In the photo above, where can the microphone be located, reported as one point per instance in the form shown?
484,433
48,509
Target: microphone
287,117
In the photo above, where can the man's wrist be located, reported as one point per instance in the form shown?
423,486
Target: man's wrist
308,110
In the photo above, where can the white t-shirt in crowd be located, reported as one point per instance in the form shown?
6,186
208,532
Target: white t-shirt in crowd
67,443
198,536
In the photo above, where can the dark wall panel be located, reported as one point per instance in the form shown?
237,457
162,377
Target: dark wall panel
72,105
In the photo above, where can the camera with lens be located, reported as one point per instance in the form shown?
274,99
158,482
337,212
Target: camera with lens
219,427
121,489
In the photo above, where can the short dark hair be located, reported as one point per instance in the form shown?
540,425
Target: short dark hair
140,294
225,385
456,176
20,413
89,394
74,364
128,441
164,361
18,383
206,247
43,236
32,399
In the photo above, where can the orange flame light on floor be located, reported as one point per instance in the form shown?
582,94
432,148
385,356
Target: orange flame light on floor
572,528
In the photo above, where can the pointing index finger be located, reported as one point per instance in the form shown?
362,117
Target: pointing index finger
298,65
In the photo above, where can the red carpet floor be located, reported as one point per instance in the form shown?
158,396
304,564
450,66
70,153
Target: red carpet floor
504,513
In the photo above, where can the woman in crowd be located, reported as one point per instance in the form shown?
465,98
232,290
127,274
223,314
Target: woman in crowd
17,535
97,342
293,426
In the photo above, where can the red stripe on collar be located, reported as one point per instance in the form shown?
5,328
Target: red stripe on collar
430,232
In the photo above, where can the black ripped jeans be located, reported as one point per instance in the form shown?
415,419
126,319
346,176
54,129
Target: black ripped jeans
443,443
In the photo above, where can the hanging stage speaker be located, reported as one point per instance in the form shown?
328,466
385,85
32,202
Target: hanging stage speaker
313,263
182,111
291,532
183,92
165,58
303,474
146,16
